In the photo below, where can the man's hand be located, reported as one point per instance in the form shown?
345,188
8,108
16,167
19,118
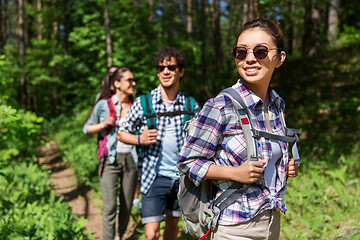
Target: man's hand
293,169
148,136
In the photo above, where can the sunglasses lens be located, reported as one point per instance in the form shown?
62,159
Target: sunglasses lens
260,52
160,68
239,53
170,67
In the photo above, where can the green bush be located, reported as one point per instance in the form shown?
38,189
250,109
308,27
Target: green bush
19,133
29,210
322,204
78,149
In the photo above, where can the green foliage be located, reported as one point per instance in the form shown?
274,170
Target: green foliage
322,204
78,149
8,73
19,133
320,97
29,210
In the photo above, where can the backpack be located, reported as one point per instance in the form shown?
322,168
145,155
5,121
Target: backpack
151,115
199,210
102,151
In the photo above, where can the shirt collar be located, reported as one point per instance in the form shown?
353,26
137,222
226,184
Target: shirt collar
252,100
180,97
115,99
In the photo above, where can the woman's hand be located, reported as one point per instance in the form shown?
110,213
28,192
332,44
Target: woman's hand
293,169
249,171
108,122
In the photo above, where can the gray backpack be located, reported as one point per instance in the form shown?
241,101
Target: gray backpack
199,208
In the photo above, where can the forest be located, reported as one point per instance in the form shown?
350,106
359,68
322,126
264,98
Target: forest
54,54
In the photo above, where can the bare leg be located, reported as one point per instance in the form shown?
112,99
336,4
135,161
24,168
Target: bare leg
171,227
152,231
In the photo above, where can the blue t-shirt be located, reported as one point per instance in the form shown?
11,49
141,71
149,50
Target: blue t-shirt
166,165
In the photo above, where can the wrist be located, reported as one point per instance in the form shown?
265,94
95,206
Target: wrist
103,125
139,142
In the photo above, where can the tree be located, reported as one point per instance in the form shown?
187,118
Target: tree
1,28
21,42
107,33
312,24
333,20
217,37
189,22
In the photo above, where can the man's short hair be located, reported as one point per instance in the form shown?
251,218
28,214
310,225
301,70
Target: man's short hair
166,53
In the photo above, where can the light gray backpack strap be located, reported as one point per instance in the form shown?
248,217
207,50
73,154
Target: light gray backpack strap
289,132
245,121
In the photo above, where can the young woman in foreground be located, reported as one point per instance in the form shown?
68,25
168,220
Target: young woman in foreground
210,152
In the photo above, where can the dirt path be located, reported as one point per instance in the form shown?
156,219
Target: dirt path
81,199
65,184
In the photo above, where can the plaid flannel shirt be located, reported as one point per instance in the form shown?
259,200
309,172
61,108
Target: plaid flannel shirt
153,151
212,141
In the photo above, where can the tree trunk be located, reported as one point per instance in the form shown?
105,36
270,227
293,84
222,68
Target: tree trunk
251,10
189,18
312,34
151,12
55,23
68,27
245,12
6,26
290,27
21,42
333,20
107,32
203,39
39,20
217,37
2,34
256,8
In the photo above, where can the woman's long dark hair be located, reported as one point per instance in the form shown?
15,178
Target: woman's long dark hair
108,88
118,74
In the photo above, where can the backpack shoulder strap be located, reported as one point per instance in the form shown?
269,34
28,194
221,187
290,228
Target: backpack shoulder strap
294,133
245,121
189,108
149,113
291,135
111,107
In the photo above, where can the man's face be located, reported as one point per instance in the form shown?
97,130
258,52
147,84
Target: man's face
169,73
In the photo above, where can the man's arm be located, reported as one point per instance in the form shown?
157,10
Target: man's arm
148,137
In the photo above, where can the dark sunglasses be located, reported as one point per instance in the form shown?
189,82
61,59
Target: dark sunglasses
260,52
131,80
161,68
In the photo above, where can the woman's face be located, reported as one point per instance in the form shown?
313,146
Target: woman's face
252,69
126,83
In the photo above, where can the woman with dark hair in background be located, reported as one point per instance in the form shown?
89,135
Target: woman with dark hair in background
118,162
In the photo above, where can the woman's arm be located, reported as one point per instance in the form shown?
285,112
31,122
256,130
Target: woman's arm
96,128
248,172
